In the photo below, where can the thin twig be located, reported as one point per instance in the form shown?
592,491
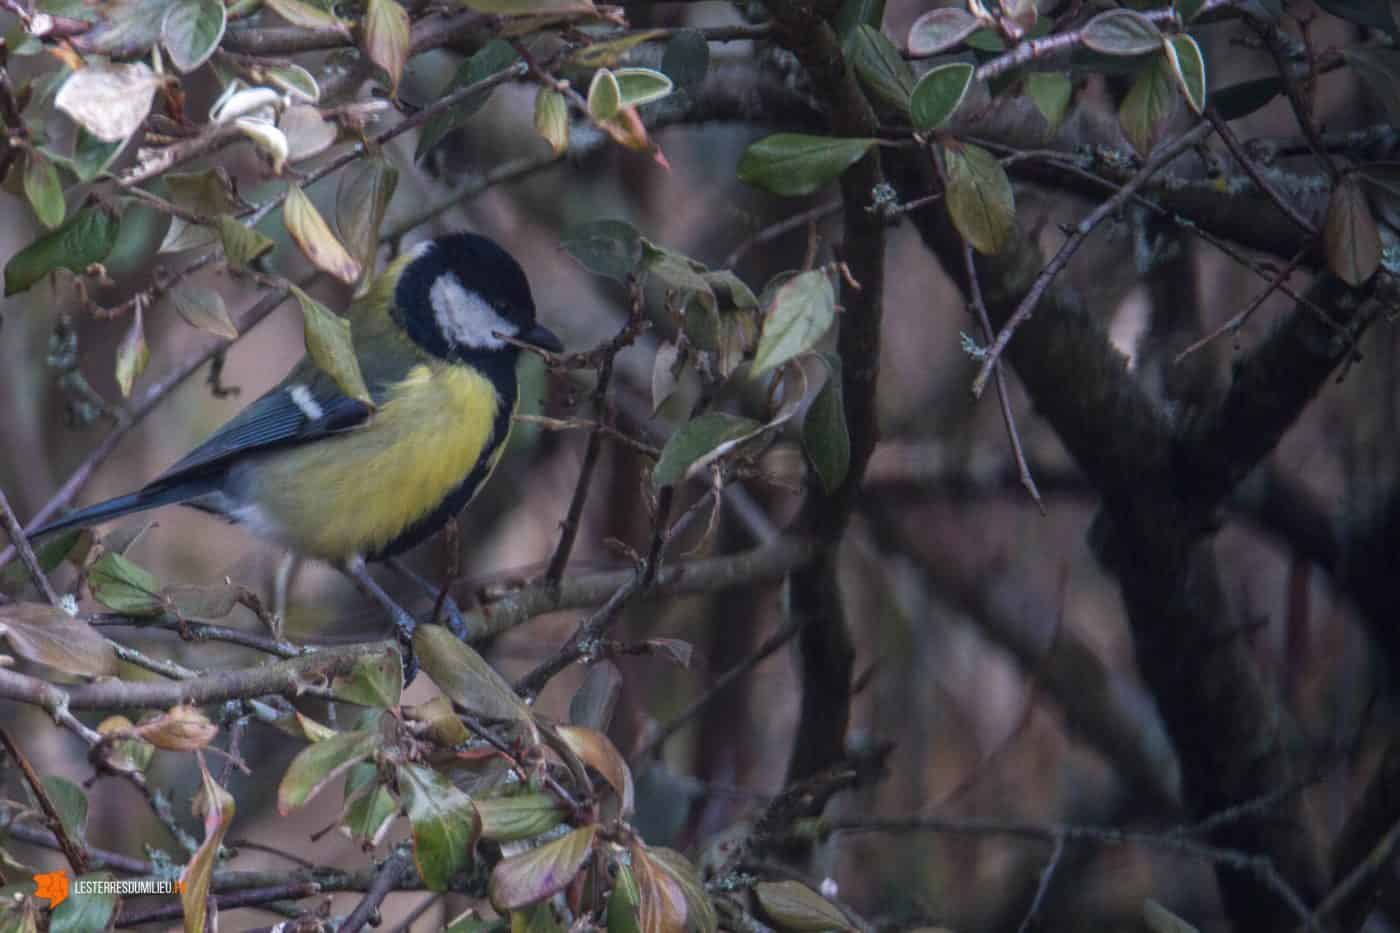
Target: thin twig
26,553
1301,110
781,228
1258,866
782,636
608,353
583,640
1046,874
252,897
979,307
1159,160
1255,175
72,849
1237,321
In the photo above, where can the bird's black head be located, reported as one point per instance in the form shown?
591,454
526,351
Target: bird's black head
460,294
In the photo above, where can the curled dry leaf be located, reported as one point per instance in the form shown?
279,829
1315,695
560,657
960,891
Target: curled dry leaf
599,753
47,635
313,235
109,101
181,729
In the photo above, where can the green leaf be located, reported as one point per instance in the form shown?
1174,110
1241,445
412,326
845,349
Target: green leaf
940,30
314,238
1245,97
697,442
294,79
825,437
1188,68
83,913
856,13
880,67
492,58
939,93
308,16
530,877
445,825
203,308
604,96
375,681
85,239
319,763
124,586
1051,92
1149,105
986,40
793,165
552,119
518,816
192,31
71,802
1379,71
638,86
91,156
796,908
43,189
386,38
980,199
51,552
242,244
1350,234
370,806
624,903
687,58
802,311
123,28
331,346
610,248
132,354
47,635
360,206
1122,33
466,678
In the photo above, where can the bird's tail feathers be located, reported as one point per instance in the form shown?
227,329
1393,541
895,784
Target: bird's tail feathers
151,497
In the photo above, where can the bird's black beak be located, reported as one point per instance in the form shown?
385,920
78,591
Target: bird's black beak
542,337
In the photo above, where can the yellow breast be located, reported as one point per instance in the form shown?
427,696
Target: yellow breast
355,493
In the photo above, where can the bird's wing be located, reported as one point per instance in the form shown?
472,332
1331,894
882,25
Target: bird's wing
297,411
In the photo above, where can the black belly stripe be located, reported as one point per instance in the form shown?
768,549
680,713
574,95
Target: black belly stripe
465,491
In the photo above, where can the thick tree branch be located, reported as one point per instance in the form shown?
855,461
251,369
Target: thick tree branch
826,650
1153,535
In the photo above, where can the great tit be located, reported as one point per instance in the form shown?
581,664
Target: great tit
437,337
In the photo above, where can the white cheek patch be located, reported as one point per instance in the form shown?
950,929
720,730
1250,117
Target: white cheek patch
304,400
465,318
419,250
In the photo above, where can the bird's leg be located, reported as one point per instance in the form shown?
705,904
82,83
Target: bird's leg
456,624
404,623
